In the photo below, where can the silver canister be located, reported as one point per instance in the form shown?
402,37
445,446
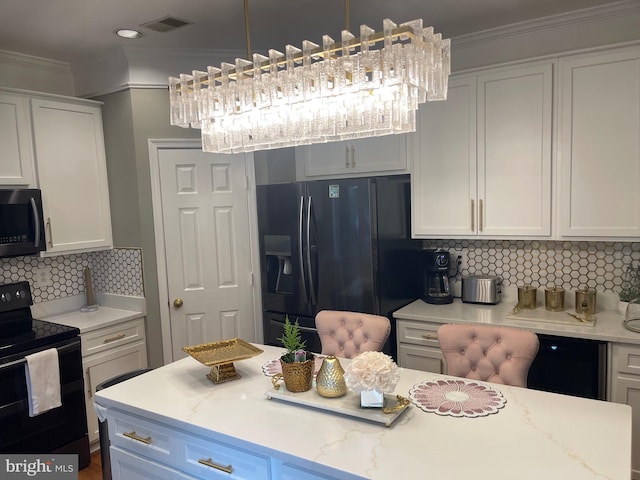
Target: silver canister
527,297
586,301
554,299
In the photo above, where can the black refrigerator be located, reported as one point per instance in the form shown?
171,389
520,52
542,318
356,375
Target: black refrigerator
335,245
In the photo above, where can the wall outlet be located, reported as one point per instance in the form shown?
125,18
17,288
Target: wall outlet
43,276
459,258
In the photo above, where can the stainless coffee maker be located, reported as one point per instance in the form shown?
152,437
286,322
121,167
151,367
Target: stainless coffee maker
435,288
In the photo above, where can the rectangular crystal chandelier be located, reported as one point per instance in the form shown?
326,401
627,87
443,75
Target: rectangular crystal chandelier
358,87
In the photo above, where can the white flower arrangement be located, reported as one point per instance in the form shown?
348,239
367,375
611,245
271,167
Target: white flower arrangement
372,371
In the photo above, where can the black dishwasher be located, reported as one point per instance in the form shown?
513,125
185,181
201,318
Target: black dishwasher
573,366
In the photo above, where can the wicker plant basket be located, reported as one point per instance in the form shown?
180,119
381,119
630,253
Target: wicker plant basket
298,376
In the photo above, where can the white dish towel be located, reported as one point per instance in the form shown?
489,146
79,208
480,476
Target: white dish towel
43,381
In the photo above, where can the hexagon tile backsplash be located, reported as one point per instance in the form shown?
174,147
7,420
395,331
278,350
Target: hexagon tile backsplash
117,271
571,265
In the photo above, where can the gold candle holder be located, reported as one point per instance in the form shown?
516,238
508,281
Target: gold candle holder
527,297
554,299
586,301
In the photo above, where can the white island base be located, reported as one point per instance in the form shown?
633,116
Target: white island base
173,422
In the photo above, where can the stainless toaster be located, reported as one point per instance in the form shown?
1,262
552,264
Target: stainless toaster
481,289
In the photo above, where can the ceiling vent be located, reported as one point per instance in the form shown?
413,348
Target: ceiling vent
165,24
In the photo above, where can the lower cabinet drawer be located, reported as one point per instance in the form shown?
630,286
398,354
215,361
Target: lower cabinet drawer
127,466
142,437
418,333
210,459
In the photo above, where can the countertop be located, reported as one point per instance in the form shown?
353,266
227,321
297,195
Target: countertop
535,435
607,327
113,309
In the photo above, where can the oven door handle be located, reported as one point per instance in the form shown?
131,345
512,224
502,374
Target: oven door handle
23,360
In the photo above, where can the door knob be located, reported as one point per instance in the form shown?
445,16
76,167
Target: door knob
177,302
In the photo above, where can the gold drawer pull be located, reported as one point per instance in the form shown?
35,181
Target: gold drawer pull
210,463
133,436
429,336
115,339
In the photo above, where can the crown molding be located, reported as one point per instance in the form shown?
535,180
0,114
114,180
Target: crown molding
30,61
588,15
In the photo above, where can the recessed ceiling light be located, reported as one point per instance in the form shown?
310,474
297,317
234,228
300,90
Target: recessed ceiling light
127,33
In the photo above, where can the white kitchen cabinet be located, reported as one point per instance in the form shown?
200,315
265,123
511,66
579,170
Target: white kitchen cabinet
184,453
482,159
599,144
71,165
106,353
16,157
625,388
418,346
375,155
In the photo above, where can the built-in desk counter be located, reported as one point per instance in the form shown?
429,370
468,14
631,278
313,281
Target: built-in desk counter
608,324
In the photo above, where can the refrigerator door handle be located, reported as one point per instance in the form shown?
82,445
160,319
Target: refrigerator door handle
301,251
312,288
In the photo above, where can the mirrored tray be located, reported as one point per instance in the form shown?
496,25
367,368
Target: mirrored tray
632,324
220,357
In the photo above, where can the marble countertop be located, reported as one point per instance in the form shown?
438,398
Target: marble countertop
535,435
607,327
111,311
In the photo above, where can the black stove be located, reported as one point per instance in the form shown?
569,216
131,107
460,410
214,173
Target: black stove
19,331
42,334
62,429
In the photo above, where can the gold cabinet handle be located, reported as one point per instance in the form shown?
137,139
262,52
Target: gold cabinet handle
473,216
429,336
480,208
178,302
133,436
50,233
210,463
115,339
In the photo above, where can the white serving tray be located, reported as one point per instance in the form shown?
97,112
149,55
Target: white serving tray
348,404
542,315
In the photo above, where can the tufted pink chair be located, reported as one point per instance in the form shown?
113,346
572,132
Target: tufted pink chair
346,334
488,353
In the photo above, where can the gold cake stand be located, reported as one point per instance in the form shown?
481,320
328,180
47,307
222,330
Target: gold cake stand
220,357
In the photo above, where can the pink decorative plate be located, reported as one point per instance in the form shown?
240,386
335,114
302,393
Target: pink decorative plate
273,366
457,398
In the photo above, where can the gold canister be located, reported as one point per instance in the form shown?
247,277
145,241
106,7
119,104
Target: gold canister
586,301
554,299
330,378
527,297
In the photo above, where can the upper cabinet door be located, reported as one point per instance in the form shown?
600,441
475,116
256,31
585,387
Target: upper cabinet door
376,156
599,144
16,156
514,151
69,148
443,180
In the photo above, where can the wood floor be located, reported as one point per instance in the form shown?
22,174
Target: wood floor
94,470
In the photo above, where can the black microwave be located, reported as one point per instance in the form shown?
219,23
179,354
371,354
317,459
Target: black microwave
21,222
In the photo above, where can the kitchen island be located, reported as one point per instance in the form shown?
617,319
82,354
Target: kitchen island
173,422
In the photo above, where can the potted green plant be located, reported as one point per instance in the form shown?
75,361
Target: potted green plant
630,286
297,363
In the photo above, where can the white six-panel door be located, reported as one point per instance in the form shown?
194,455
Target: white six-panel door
207,246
